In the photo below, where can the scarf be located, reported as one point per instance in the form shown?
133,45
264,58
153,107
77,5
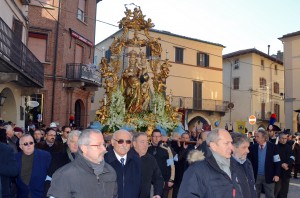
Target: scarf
223,163
98,168
71,155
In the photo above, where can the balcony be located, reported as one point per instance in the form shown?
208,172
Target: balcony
263,116
17,63
197,104
89,75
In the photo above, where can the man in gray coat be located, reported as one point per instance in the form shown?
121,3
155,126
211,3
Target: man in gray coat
88,175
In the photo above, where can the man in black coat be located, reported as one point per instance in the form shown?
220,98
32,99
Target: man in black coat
242,165
287,159
164,158
182,149
214,177
150,171
50,144
8,169
266,163
126,163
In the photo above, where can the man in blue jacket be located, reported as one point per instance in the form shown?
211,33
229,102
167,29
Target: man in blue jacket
126,163
33,165
8,169
266,163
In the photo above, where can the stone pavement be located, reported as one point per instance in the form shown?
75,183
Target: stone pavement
294,190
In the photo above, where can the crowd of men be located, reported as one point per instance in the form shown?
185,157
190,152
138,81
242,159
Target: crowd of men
49,162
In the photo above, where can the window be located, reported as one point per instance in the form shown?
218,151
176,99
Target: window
277,112
42,3
81,10
236,83
197,95
262,83
148,52
262,64
202,59
18,28
95,60
78,53
276,87
37,43
178,55
276,70
236,64
108,55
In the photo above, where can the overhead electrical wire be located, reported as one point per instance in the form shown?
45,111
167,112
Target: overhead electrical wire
160,40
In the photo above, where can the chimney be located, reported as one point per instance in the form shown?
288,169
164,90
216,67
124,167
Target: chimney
268,49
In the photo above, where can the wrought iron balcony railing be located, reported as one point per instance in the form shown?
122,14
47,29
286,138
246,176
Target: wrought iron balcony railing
17,58
200,104
84,72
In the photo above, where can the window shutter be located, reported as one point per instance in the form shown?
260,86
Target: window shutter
206,60
18,28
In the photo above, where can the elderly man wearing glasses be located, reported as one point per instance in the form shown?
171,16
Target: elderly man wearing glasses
33,165
88,175
126,163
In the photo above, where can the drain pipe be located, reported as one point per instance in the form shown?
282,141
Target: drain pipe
55,61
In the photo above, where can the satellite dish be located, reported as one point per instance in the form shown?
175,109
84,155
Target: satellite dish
33,104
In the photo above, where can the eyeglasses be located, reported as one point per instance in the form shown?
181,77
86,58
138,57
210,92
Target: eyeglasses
27,143
67,132
98,146
121,141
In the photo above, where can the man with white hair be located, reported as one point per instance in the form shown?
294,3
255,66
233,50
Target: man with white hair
88,175
214,177
62,158
33,165
12,140
126,163
266,163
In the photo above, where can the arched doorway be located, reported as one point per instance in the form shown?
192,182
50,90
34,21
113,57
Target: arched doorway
9,108
198,123
79,113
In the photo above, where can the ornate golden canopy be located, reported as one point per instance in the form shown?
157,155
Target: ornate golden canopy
129,100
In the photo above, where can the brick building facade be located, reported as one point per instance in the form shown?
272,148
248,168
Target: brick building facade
61,35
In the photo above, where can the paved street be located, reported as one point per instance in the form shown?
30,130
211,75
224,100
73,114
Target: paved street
294,190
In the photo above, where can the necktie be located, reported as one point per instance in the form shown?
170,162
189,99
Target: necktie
122,160
261,147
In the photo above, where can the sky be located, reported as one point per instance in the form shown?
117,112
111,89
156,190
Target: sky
236,24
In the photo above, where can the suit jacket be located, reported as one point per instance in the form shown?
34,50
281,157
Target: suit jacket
129,182
272,166
41,163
